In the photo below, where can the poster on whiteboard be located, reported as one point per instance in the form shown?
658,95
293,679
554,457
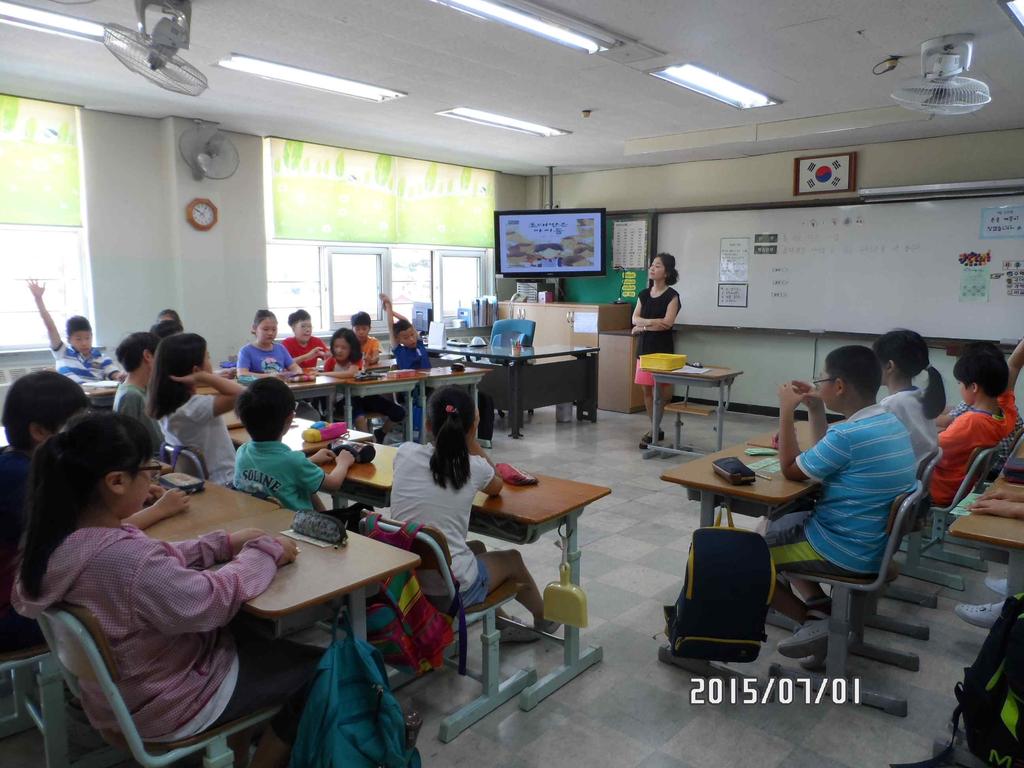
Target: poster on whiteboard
734,260
732,294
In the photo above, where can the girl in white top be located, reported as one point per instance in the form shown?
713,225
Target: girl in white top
903,355
435,485
187,419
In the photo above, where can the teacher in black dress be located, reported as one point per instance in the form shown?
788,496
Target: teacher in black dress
653,318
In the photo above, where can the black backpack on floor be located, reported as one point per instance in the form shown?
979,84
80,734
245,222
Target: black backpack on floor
730,580
991,697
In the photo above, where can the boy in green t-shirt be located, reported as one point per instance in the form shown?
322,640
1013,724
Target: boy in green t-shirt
266,465
135,354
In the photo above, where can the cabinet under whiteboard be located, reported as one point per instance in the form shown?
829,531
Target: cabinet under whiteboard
732,294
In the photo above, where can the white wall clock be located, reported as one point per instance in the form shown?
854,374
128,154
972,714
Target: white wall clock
825,174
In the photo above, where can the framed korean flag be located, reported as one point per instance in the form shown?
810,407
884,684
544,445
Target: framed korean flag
825,174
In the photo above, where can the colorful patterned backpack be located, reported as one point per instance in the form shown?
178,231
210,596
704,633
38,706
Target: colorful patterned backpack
401,623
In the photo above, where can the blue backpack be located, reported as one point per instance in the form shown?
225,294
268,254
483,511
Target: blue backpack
351,718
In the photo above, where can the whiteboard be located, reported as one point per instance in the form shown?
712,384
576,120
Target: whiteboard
859,268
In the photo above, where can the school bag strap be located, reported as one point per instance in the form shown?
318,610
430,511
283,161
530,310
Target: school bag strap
945,757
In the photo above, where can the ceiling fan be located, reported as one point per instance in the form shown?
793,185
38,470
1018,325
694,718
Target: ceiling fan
154,54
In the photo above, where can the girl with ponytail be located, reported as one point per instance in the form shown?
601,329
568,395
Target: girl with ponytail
903,355
163,610
435,485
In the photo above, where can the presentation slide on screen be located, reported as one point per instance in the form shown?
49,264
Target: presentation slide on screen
549,241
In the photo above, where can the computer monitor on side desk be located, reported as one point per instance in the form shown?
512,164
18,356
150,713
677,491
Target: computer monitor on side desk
422,314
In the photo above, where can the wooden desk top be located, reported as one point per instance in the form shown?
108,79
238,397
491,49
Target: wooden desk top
408,377
317,576
700,475
999,531
293,437
549,500
448,373
379,474
803,437
717,373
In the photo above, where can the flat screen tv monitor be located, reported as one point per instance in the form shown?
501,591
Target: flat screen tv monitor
561,242
422,314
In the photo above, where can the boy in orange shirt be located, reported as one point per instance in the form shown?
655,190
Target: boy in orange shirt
369,345
986,385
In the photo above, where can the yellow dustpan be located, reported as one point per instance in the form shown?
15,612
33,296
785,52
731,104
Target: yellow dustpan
564,601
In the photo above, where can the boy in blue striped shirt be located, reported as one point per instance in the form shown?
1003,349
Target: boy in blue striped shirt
77,359
862,463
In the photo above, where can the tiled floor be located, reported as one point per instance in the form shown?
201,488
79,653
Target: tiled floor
630,710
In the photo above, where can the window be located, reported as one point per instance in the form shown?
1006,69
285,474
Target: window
411,278
462,280
355,283
293,282
40,218
334,282
53,255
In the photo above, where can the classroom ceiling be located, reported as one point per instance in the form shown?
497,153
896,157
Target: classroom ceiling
815,55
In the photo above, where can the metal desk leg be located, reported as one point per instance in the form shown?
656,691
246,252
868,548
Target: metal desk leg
652,451
410,416
356,600
330,405
1015,572
515,410
348,407
720,413
707,508
573,661
423,412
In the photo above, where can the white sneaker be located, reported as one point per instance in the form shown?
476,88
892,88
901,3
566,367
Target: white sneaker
983,615
811,639
999,586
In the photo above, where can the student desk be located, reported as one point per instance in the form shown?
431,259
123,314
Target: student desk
717,377
759,498
803,438
319,580
293,437
525,386
101,394
392,382
520,514
439,377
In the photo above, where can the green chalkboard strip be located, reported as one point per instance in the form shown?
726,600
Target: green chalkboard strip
603,290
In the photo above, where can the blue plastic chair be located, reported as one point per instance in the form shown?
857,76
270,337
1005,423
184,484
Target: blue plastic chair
504,332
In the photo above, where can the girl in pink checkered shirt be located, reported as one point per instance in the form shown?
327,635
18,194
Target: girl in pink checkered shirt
163,611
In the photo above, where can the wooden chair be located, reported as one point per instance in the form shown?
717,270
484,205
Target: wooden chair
83,654
847,619
941,517
432,547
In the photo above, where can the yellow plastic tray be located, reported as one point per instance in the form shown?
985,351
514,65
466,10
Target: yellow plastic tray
662,361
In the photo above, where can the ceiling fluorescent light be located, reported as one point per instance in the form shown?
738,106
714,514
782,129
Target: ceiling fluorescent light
710,84
1016,10
54,23
500,121
308,79
538,21
948,190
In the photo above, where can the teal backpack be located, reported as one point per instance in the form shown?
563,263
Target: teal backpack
351,718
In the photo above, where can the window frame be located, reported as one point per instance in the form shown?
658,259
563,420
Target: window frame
85,271
439,255
327,249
